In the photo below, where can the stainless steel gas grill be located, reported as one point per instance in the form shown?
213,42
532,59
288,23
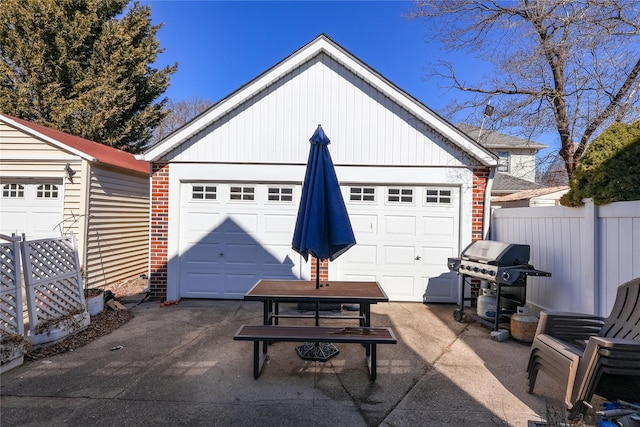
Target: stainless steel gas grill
505,266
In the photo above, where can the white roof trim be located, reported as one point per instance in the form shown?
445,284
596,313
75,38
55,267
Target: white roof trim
52,141
322,44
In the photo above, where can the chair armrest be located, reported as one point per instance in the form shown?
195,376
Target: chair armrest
571,327
602,354
622,344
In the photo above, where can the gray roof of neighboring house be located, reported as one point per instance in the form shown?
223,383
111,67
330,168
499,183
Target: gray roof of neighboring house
492,139
530,194
503,183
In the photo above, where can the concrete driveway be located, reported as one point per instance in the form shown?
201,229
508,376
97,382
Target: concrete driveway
179,365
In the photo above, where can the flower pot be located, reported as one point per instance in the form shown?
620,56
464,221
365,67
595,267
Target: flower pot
94,301
11,356
60,330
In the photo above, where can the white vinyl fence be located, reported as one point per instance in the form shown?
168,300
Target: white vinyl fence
588,250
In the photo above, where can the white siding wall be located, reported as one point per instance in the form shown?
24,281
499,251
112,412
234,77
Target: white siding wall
523,165
118,226
590,251
365,127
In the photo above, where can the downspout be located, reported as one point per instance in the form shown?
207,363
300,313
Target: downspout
486,220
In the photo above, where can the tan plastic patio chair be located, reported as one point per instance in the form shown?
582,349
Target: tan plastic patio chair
591,354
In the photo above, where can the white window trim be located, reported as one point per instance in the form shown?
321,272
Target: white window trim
204,192
242,193
362,194
400,195
279,194
20,188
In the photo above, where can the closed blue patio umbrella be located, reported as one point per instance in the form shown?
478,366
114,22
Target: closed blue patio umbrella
322,228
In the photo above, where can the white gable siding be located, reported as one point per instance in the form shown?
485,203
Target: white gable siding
274,126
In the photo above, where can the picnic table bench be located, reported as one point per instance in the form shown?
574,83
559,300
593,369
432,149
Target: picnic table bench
367,336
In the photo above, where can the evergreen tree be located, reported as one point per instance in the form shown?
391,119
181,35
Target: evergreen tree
83,67
609,170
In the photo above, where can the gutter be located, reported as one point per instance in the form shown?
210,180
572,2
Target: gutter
486,220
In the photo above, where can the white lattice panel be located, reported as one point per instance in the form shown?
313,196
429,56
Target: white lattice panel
11,318
52,278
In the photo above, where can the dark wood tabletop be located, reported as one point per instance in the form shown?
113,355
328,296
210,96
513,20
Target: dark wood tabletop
301,290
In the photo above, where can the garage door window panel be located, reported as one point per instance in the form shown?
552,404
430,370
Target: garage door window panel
362,194
400,195
47,191
242,193
438,196
204,192
280,194
13,191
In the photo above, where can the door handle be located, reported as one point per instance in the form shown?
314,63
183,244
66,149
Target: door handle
418,258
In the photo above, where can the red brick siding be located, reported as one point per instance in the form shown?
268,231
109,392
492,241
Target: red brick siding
480,179
324,269
159,230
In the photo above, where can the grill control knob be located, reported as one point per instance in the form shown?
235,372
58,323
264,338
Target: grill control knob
476,269
505,275
491,273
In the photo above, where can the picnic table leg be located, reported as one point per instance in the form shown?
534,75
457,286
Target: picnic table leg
266,312
258,360
371,360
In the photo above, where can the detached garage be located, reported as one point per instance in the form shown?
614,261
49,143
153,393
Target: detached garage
54,184
226,186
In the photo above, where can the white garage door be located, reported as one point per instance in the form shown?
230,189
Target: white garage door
32,207
232,235
404,237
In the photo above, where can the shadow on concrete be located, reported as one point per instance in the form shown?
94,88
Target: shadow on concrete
179,365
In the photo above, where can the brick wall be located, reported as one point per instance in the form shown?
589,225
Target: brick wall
480,179
159,231
324,269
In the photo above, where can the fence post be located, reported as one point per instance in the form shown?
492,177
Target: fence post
590,259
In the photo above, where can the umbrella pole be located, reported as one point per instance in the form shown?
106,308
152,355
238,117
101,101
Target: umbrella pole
317,287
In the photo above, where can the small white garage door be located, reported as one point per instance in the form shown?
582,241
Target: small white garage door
404,236
32,207
232,235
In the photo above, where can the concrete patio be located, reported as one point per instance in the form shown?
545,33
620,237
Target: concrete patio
179,365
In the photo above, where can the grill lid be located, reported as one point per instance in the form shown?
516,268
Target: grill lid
496,253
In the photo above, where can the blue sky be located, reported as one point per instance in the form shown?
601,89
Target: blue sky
221,45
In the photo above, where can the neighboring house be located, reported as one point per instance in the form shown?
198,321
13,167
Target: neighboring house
517,156
226,186
547,196
56,184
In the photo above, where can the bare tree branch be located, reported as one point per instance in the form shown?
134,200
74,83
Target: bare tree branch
563,66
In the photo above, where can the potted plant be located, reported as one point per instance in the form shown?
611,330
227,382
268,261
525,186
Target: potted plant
94,298
12,350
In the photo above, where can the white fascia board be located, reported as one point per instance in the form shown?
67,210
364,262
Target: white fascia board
47,139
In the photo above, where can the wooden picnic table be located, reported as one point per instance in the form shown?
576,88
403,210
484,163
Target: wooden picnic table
272,292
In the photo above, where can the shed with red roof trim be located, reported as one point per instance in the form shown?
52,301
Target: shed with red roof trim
53,183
